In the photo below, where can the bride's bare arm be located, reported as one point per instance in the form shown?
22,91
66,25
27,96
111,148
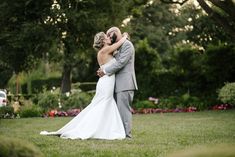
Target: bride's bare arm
110,49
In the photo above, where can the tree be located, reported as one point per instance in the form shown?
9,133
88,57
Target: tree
203,30
221,11
23,35
154,21
77,22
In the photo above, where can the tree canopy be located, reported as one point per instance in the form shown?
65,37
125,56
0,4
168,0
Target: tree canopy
221,11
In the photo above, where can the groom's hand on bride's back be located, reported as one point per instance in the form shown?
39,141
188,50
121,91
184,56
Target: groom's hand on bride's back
100,72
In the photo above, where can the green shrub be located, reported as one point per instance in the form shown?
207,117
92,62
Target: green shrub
30,111
187,100
143,104
32,81
49,83
77,99
48,100
23,101
6,112
18,148
171,102
227,93
183,101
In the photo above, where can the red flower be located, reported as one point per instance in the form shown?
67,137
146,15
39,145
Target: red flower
52,113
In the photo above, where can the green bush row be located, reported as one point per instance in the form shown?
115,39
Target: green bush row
225,95
49,100
185,70
24,112
37,85
53,99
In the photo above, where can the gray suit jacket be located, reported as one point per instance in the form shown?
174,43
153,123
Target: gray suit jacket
124,68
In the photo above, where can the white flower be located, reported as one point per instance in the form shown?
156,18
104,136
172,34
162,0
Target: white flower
67,94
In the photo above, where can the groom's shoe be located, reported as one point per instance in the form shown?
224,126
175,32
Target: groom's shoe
128,137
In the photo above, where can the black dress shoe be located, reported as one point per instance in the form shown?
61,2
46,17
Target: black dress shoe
128,137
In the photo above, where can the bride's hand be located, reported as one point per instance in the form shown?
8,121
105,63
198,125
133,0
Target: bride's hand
125,34
100,72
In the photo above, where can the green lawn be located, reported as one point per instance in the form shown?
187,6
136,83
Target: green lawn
154,135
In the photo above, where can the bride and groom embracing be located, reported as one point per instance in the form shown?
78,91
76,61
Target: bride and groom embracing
108,116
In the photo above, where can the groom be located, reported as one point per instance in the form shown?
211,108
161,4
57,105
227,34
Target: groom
125,83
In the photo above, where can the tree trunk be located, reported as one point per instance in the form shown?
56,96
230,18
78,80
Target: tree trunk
17,84
66,78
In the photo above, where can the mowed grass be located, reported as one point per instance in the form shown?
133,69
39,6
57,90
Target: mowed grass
154,135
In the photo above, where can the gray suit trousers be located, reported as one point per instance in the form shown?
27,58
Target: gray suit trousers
124,101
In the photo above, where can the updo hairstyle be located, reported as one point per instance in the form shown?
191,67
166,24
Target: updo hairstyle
99,41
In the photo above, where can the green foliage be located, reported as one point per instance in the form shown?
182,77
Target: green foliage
5,75
185,63
171,102
30,111
48,83
48,99
81,20
205,29
23,35
12,147
187,100
200,74
53,99
63,31
77,99
143,104
33,81
186,68
219,65
23,101
6,112
147,63
184,101
227,93
154,21
164,84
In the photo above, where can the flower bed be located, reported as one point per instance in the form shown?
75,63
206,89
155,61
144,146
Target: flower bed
222,107
74,112
69,113
158,110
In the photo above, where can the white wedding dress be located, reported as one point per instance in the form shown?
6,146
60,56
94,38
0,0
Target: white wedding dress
100,119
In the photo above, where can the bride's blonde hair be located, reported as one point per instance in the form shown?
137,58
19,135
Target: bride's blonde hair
99,41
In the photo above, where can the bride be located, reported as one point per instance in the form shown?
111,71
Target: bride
101,118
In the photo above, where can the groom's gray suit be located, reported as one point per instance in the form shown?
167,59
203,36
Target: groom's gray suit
125,83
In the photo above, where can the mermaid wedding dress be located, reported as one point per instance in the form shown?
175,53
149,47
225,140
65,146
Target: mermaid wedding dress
100,119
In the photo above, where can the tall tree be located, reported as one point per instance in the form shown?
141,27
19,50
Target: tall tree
154,21
221,11
77,22
203,30
23,34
